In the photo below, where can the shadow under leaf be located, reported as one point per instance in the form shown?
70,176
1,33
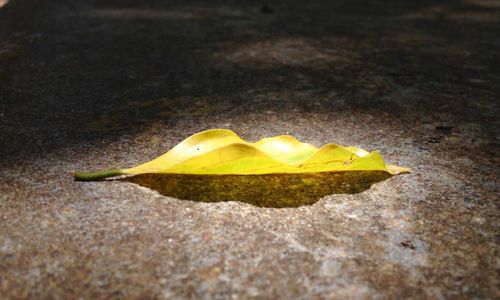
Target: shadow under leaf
270,190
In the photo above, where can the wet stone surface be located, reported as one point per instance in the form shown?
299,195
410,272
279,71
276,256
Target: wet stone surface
100,84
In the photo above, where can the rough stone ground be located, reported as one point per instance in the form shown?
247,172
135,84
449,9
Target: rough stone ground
87,85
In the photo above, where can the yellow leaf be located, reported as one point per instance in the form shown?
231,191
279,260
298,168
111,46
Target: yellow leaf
223,152
217,165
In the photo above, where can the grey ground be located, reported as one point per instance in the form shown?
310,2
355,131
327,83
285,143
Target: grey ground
88,85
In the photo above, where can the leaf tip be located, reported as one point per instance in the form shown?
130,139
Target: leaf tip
395,170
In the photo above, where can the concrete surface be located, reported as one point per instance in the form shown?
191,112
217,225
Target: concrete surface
87,85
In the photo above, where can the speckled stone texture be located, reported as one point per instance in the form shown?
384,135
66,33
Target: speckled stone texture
88,85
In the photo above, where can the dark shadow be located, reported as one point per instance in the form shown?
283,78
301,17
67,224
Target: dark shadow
76,72
272,190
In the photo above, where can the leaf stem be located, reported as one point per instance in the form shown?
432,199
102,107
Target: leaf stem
95,176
